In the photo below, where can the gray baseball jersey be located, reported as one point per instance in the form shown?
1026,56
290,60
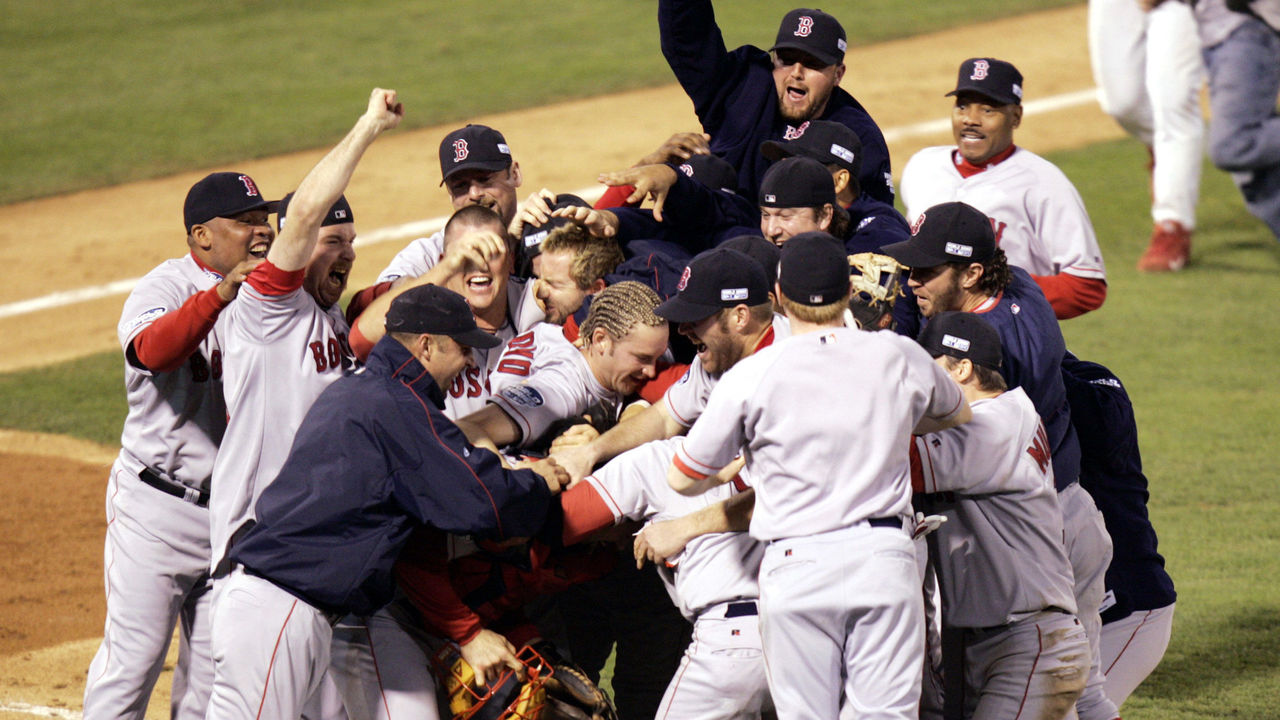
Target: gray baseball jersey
1000,554
419,256
471,390
686,399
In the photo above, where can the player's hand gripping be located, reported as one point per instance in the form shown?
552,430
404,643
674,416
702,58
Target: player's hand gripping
681,146
475,249
658,541
653,181
230,285
600,223
926,524
550,471
384,112
535,210
489,654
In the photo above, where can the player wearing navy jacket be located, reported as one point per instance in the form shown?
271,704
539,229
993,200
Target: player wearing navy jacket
748,96
955,265
374,459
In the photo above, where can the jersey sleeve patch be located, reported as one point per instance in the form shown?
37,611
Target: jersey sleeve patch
144,318
523,395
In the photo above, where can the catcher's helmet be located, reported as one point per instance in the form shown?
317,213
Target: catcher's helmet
506,699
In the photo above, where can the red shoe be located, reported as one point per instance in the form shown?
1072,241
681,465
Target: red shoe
1170,246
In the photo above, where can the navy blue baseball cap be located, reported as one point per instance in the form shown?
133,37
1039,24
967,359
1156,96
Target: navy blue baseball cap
478,147
438,311
759,249
814,269
797,182
963,335
830,143
710,170
813,32
715,279
222,194
990,78
946,233
338,214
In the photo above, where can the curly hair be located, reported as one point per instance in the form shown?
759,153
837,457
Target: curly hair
620,307
996,274
593,257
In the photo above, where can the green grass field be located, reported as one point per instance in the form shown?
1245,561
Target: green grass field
102,93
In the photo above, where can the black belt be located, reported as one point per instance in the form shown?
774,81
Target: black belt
740,609
198,497
892,522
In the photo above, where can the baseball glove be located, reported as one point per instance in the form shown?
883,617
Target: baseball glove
876,283
571,694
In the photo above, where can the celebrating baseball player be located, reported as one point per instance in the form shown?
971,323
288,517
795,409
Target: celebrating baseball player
1001,565
157,553
1146,63
832,491
956,265
748,96
542,377
1038,217
374,458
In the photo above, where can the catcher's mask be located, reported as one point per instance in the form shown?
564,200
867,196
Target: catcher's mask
505,699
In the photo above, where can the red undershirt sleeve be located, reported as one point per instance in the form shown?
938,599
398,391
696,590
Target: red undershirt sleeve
1072,295
166,343
653,390
360,345
584,512
615,197
271,280
422,572
361,300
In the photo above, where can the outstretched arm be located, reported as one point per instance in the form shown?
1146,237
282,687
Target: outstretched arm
327,180
658,541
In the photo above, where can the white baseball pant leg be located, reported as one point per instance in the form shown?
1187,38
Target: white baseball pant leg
1089,550
383,669
721,676
155,568
843,610
1034,668
270,650
1132,647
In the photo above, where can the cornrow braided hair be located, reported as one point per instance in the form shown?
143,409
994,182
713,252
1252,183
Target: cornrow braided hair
593,257
620,307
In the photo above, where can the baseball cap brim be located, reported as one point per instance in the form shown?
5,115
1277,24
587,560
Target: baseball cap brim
485,165
1010,100
679,310
774,151
477,338
912,255
826,58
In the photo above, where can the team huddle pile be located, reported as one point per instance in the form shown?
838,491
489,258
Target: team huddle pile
870,477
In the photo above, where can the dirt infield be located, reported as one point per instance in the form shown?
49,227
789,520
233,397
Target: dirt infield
51,603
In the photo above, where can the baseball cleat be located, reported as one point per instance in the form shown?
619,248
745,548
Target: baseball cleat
1169,249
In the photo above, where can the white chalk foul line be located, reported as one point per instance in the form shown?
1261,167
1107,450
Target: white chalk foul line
421,228
41,711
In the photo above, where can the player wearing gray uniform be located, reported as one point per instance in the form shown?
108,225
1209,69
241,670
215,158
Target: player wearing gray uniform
1001,564
833,491
712,581
156,555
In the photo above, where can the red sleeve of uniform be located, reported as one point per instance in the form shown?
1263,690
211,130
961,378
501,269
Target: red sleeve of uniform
584,512
166,343
1072,295
422,570
361,346
570,330
271,280
917,471
616,197
361,300
653,390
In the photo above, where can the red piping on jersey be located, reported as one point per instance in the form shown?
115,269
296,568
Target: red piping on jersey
204,267
989,304
431,423
682,467
271,280
968,169
167,342
266,683
765,340
402,366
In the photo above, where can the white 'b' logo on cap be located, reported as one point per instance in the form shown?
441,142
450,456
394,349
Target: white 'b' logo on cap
805,29
980,70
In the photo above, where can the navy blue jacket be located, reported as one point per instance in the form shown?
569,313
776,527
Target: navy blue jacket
1033,352
1111,470
736,100
374,459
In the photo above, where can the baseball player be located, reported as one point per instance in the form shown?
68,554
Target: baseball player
723,306
1036,214
1147,65
477,263
840,606
956,265
573,267
542,377
373,460
156,556
748,96
1001,565
1137,611
286,339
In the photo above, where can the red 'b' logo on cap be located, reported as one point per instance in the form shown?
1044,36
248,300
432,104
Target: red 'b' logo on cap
980,70
249,188
915,227
805,28
684,280
460,150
